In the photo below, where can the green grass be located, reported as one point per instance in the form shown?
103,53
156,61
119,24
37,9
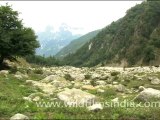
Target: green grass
11,102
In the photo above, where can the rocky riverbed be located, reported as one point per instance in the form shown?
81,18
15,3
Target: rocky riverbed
84,85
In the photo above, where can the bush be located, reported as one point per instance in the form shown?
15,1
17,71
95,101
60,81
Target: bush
87,76
38,71
13,70
109,92
93,83
114,73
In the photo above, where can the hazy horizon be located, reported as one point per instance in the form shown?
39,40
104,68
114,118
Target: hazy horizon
81,16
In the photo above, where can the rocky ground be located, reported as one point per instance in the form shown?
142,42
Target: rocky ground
22,88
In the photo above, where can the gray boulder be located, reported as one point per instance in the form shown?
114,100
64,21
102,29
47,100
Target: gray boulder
148,94
76,97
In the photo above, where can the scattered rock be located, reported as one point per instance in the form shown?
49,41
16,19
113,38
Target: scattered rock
148,94
19,116
76,97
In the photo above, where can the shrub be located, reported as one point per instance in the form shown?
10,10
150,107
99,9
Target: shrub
13,70
114,73
38,71
87,76
93,82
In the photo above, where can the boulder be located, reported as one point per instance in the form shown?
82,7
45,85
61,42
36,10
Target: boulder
19,116
45,87
18,76
76,97
155,81
120,88
141,88
78,76
4,72
148,94
96,76
50,78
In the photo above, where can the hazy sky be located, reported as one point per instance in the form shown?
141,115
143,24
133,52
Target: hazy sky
85,15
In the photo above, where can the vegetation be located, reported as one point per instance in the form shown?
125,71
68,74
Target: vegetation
43,61
135,38
76,44
68,77
15,39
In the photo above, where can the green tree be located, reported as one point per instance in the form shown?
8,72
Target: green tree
15,39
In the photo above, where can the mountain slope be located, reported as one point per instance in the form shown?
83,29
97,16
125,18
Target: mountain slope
52,41
76,44
133,39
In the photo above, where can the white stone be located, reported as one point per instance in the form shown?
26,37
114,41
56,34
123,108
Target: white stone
100,91
76,97
141,88
155,81
115,100
4,72
95,107
19,116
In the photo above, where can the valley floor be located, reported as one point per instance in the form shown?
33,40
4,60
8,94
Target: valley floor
80,93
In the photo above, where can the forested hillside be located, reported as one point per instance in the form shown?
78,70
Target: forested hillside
132,40
76,44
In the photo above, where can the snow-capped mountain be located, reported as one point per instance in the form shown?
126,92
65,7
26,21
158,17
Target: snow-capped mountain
52,41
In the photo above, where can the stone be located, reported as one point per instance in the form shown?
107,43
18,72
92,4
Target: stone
115,83
100,82
78,77
95,76
18,76
45,87
88,87
115,100
141,88
120,88
100,90
50,78
4,72
76,97
148,94
19,116
155,81
95,107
